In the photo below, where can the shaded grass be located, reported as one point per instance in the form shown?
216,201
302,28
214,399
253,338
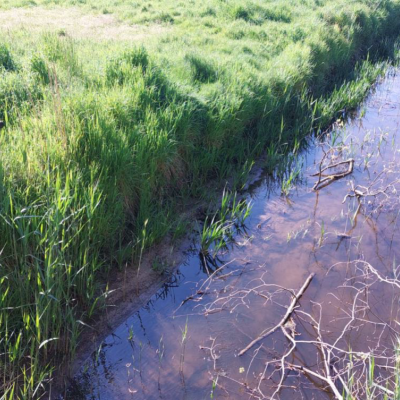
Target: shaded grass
103,146
201,70
6,61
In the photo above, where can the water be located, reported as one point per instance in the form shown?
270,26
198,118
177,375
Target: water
287,238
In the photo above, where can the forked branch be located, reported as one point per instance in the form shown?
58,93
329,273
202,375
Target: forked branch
285,318
329,178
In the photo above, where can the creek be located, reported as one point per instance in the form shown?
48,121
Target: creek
184,343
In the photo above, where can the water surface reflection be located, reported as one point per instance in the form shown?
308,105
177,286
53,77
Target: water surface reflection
287,238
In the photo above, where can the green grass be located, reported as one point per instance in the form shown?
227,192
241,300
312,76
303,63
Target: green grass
371,384
104,143
219,230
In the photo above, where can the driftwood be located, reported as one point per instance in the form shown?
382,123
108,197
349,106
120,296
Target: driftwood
283,321
329,178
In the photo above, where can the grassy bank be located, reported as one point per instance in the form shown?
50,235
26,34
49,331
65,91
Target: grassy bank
104,142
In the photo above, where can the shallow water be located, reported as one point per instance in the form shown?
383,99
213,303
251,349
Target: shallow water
286,239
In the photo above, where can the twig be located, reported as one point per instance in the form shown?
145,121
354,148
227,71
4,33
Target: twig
282,322
319,376
333,177
320,173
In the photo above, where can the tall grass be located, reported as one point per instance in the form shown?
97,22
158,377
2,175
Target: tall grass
102,146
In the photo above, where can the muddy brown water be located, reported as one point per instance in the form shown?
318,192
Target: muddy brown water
286,239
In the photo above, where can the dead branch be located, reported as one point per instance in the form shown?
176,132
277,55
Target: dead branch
205,285
321,172
335,362
319,376
363,191
321,183
391,281
283,321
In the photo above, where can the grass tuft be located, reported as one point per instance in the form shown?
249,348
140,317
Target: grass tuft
40,68
201,70
6,61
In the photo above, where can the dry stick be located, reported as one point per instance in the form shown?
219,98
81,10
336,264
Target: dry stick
346,388
328,379
283,321
283,359
319,376
331,178
392,281
320,165
331,166
208,281
358,193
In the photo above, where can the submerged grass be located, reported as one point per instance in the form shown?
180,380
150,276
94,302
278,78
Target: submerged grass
103,144
218,231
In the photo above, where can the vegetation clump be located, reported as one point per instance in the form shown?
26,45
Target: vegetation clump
6,61
201,70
